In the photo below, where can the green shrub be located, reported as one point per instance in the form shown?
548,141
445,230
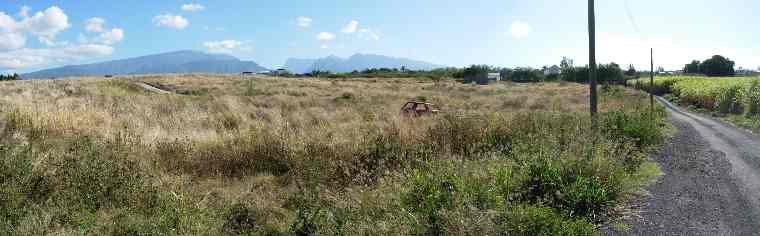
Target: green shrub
543,182
753,98
539,220
242,220
317,216
458,135
586,196
16,178
243,155
729,101
92,177
642,127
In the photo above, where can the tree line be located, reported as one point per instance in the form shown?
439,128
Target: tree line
611,73
10,77
607,73
715,66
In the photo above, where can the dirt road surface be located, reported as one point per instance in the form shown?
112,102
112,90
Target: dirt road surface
711,182
151,88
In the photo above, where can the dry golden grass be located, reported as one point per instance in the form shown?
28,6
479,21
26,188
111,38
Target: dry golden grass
259,144
94,105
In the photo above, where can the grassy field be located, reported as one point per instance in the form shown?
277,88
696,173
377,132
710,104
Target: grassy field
736,99
269,156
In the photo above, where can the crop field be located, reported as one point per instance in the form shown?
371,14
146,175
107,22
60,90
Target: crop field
223,155
736,98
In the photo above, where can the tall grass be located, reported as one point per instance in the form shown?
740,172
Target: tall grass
314,157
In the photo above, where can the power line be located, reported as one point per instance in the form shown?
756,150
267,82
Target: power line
632,20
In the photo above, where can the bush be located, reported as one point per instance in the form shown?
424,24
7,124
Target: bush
717,66
243,155
642,127
10,77
92,177
753,99
606,74
242,220
452,134
539,220
729,101
586,196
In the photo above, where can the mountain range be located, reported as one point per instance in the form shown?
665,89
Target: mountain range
199,62
356,62
171,62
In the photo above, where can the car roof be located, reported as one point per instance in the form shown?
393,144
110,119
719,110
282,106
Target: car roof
426,103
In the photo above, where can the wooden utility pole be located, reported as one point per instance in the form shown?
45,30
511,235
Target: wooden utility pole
592,63
651,80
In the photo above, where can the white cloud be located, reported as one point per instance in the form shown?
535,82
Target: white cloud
7,22
303,21
11,41
350,28
107,37
368,34
208,28
227,46
24,13
171,21
325,36
193,7
520,30
94,24
323,46
47,24
111,37
37,57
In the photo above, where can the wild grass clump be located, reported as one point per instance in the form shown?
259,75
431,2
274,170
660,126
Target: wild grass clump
753,99
235,157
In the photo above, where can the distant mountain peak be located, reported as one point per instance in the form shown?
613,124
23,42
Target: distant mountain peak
358,61
183,61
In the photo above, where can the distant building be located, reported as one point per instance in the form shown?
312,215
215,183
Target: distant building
247,73
742,71
483,79
280,72
494,76
554,70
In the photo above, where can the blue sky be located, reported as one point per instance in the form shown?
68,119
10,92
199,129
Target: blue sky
41,34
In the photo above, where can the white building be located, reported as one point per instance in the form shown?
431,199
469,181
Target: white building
554,70
494,76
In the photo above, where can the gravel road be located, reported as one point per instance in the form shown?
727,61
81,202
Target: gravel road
152,88
711,182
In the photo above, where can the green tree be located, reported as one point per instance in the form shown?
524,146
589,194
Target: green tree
692,68
10,77
566,63
476,70
526,75
631,70
718,66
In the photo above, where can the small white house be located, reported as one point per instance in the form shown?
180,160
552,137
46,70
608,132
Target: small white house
554,70
494,76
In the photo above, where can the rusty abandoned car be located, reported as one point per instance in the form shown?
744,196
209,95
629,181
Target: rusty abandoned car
417,109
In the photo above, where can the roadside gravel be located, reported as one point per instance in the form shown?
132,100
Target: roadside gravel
708,186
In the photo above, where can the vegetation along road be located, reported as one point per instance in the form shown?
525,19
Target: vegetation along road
711,184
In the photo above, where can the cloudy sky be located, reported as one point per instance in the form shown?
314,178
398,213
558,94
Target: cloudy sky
41,34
